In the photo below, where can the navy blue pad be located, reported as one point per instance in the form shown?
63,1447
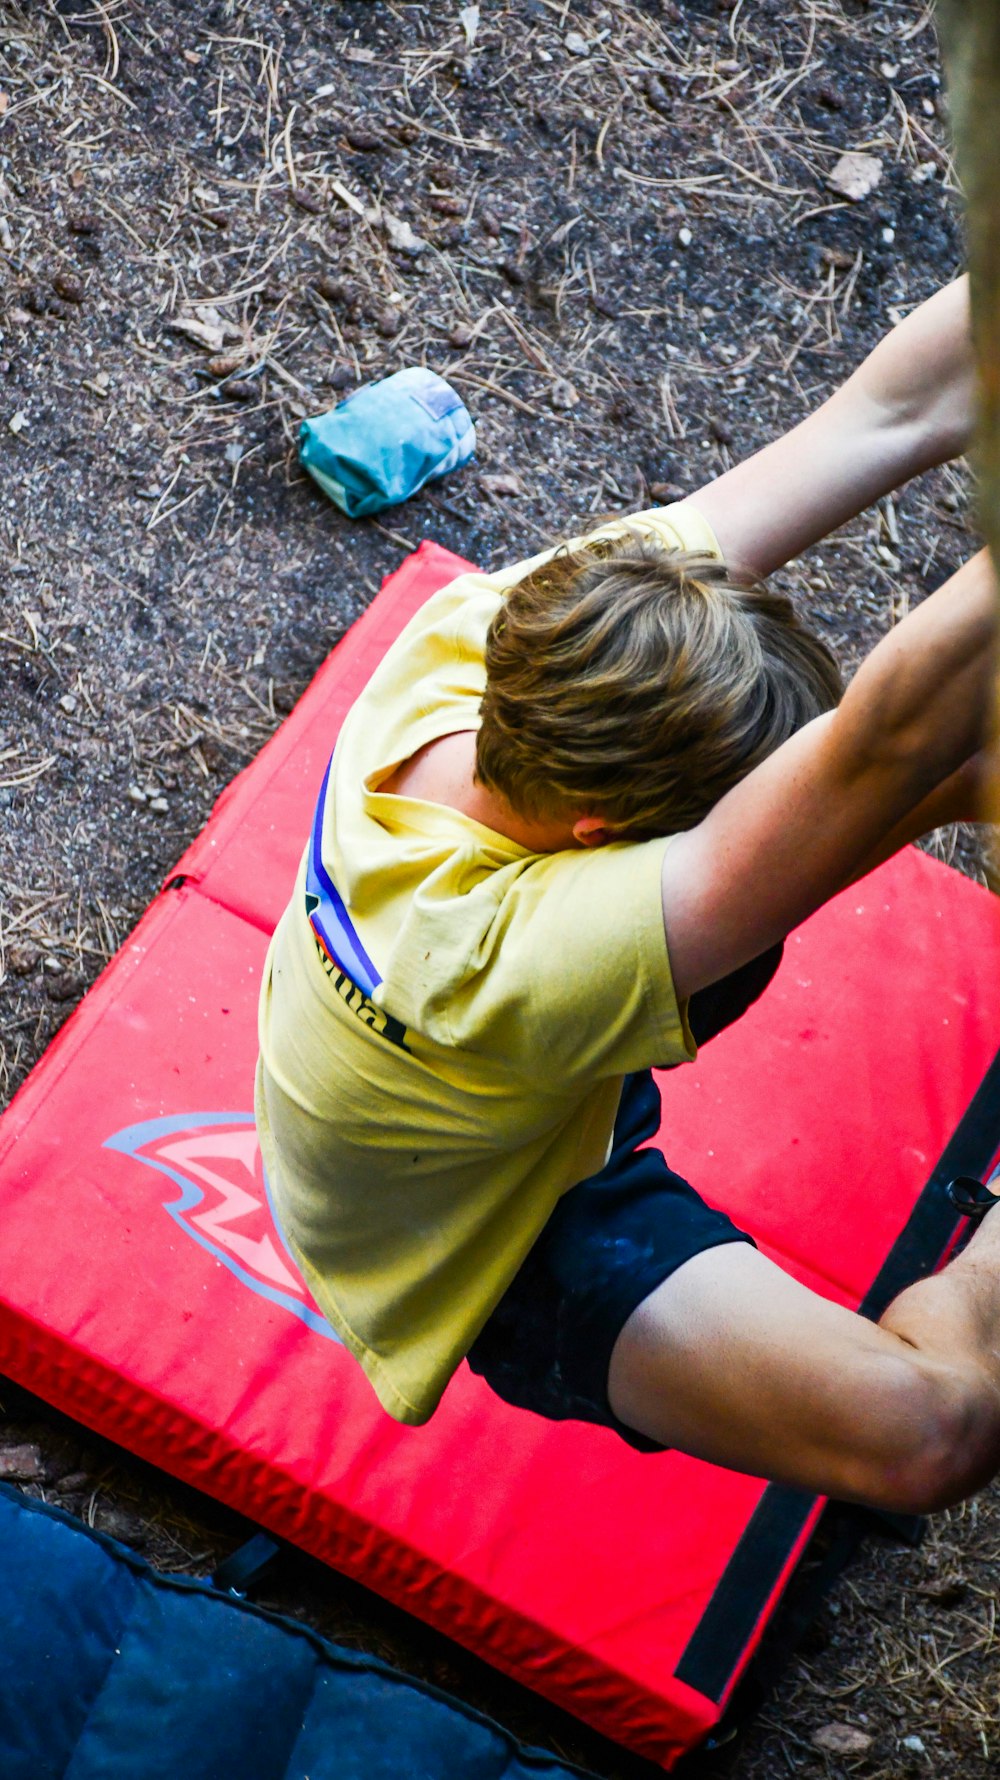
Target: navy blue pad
110,1671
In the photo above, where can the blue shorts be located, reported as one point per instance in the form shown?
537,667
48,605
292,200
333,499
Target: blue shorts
609,1243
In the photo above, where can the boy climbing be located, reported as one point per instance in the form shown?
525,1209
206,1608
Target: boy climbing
565,830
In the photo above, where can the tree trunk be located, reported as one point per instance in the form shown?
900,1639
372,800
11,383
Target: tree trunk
971,34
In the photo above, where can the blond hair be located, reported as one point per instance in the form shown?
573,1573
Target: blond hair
639,684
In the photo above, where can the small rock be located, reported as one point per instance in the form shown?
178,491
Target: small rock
241,389
159,805
19,318
947,1591
657,94
52,966
575,44
461,335
666,491
841,1739
563,394
21,960
621,410
285,698
506,483
66,988
720,432
388,322
68,703
855,175
489,222
341,377
121,1523
915,1745
835,256
452,235
401,237
72,1483
684,237
339,290
22,1464
205,326
136,794
225,363
18,421
68,287
364,140
307,200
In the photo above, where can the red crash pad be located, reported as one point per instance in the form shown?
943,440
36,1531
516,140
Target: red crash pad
145,1290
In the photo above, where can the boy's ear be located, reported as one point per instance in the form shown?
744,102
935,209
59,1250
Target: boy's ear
592,831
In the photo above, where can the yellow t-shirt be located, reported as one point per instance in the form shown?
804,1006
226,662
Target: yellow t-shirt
418,1137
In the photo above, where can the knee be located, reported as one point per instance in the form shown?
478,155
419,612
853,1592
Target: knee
946,1441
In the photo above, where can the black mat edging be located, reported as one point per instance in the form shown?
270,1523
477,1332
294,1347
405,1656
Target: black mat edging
716,1646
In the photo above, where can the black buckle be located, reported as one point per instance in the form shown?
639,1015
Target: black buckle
971,1198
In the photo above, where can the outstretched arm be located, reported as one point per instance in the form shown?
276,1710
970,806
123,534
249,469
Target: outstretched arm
811,817
910,405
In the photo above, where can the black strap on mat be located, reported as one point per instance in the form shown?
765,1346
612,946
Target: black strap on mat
245,1566
716,1646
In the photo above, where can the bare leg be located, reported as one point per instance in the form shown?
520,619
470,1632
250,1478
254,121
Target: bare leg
734,1361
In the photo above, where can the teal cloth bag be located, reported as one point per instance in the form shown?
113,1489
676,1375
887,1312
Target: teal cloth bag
387,440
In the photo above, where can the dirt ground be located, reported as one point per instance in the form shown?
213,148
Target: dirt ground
612,226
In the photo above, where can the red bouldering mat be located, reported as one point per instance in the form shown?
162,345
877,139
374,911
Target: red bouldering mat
145,1289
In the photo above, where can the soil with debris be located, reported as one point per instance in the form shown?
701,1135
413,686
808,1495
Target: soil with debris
622,231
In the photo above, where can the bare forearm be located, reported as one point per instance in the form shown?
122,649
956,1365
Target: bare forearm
923,375
821,474
910,405
958,798
916,710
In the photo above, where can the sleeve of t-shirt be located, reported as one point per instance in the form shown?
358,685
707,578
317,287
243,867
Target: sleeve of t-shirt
573,977
678,527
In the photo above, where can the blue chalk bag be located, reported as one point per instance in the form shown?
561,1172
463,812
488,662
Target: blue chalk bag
386,440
